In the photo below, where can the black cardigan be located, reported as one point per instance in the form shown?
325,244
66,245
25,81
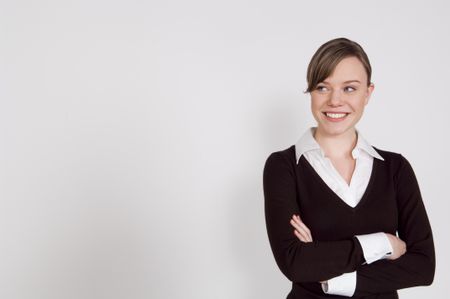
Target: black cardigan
392,202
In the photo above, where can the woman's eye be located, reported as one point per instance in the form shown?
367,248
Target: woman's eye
319,88
351,88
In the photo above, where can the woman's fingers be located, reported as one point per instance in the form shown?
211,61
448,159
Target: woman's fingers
299,220
301,233
301,230
301,237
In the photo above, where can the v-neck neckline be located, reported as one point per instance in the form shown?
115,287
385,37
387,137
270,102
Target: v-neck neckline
347,186
331,191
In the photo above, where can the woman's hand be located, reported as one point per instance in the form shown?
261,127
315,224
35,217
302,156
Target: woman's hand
398,246
301,231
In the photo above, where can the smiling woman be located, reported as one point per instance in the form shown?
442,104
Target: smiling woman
328,94
344,217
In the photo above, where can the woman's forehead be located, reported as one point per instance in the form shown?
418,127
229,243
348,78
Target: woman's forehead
348,69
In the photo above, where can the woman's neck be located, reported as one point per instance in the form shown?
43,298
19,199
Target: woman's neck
337,146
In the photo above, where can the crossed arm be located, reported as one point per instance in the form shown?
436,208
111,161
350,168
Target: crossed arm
376,246
318,261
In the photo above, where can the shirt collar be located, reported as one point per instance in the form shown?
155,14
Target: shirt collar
307,142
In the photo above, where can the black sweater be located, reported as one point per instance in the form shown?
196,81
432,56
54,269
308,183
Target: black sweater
392,202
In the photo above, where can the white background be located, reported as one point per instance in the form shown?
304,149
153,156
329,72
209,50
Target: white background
133,136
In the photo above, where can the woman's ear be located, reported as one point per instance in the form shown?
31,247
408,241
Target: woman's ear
370,89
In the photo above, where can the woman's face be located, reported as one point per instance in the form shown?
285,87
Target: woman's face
344,91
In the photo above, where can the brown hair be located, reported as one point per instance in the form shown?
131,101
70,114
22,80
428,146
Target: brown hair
326,58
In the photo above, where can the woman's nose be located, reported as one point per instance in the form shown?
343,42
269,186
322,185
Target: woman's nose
335,97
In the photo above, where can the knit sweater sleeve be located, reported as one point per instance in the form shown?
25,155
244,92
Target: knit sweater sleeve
300,261
417,266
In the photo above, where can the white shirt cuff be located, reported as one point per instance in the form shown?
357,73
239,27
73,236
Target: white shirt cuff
343,285
375,246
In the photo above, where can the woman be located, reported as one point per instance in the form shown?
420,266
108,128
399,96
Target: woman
334,203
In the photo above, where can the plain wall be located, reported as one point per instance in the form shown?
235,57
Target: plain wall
133,136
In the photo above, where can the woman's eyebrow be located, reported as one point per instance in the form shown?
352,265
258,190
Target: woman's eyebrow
348,81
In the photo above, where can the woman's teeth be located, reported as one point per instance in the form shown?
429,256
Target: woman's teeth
336,115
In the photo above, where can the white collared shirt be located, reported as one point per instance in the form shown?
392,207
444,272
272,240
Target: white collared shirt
375,245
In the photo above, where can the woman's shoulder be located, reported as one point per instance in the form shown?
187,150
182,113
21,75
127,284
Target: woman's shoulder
284,155
387,154
394,159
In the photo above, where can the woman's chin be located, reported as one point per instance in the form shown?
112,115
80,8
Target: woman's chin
334,129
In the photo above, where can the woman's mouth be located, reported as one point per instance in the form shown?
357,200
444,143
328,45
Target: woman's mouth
335,117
